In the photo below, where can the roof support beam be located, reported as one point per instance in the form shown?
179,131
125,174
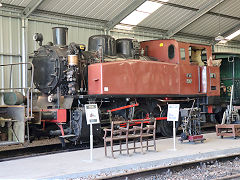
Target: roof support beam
33,5
128,10
198,14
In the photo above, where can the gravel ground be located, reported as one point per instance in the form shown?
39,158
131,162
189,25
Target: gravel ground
205,171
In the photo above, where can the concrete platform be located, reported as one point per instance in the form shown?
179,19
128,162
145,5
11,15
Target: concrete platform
76,164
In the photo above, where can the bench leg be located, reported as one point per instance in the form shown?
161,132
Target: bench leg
234,132
112,148
147,144
105,146
154,141
120,146
127,146
141,141
134,145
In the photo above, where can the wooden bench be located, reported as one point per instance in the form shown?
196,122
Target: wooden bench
228,130
123,131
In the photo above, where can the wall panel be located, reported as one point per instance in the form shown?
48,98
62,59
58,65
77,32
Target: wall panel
10,50
225,48
75,34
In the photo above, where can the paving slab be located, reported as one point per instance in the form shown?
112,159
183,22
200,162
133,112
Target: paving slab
77,164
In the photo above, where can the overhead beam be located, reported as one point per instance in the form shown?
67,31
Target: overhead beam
33,5
198,14
128,10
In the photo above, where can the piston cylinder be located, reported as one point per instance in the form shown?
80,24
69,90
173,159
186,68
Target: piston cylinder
49,115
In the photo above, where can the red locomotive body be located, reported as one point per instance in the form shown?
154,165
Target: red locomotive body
133,77
175,72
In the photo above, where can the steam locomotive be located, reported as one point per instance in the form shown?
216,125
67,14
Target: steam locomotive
115,73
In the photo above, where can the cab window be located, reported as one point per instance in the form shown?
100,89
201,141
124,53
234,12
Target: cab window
182,53
195,55
171,51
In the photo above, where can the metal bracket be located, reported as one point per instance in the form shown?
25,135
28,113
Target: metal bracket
32,6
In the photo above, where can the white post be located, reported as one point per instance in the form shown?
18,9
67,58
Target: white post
174,136
91,142
92,117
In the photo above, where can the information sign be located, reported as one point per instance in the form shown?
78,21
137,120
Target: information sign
173,112
92,113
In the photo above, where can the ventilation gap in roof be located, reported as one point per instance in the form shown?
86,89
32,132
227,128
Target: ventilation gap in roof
233,35
139,14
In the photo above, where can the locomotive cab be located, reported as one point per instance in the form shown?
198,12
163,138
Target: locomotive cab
196,75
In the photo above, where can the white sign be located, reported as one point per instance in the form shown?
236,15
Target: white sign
92,113
173,112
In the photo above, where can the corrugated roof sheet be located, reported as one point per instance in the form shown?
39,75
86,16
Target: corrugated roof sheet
166,17
97,9
190,3
237,38
208,25
23,3
228,7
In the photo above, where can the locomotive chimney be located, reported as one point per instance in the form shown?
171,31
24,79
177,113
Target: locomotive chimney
60,36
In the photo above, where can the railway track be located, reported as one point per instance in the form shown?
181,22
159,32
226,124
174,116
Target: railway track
224,168
232,177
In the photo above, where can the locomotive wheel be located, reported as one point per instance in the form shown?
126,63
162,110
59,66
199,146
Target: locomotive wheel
167,126
76,130
141,112
75,126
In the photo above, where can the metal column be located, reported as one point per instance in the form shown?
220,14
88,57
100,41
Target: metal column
24,28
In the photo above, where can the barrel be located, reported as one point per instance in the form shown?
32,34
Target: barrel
13,98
